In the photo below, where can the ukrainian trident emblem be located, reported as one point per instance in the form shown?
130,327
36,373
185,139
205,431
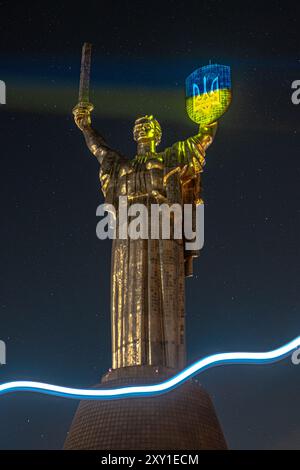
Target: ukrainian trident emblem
208,93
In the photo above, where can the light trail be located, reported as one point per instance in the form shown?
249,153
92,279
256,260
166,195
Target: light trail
155,389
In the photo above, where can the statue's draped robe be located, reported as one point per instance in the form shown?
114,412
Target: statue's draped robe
148,275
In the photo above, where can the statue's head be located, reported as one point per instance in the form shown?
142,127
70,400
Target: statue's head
147,129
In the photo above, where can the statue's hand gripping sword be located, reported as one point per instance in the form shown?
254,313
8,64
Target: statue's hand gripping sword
84,107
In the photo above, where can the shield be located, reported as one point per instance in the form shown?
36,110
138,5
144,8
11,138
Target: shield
208,93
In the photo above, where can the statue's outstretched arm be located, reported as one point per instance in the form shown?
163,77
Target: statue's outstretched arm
194,148
95,142
191,152
205,136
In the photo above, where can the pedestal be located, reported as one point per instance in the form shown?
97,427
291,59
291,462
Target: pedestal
183,418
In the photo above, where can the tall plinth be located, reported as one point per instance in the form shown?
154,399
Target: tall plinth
183,418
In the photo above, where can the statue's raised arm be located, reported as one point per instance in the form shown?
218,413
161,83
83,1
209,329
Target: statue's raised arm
108,158
95,142
190,153
205,136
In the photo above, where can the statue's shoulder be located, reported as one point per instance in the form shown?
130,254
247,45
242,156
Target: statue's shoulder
113,162
124,165
170,154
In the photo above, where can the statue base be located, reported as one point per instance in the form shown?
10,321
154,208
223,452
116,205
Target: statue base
182,419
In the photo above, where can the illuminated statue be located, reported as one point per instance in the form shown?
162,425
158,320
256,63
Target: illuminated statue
148,276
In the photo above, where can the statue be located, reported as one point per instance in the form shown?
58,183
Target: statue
147,276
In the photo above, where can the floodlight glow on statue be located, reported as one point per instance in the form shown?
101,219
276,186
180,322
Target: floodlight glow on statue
147,278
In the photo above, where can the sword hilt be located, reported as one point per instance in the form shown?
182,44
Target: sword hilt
83,107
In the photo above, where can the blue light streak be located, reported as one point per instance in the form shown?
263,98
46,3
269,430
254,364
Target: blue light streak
155,389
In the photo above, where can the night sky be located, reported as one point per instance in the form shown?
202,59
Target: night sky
55,273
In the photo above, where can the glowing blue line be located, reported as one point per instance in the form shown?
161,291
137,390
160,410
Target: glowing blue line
156,389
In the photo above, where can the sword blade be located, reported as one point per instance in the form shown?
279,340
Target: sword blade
84,85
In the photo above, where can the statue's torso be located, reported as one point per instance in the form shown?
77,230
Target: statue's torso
147,277
164,176
138,178
147,274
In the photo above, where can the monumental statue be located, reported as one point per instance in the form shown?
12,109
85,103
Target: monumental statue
147,275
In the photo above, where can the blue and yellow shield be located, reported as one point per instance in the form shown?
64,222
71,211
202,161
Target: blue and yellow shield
208,93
